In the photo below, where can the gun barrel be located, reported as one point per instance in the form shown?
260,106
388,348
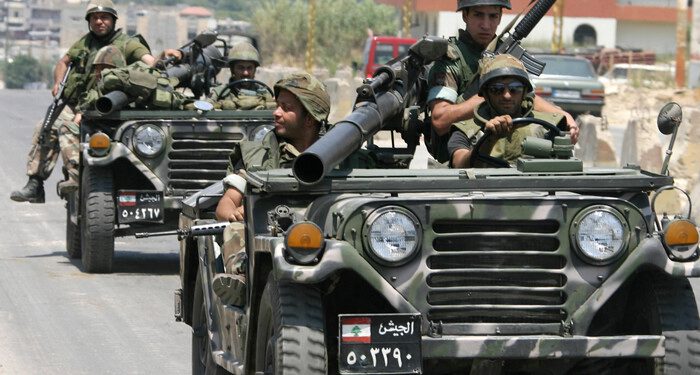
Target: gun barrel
110,102
530,20
345,137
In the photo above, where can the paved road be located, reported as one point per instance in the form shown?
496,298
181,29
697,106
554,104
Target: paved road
54,319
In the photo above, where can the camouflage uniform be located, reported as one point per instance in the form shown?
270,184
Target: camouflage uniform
270,153
42,160
508,148
452,78
249,96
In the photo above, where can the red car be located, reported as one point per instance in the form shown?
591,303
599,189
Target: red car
380,49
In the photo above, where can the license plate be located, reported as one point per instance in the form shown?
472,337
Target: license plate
380,344
135,206
567,94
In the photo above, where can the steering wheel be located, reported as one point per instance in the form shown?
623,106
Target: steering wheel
234,86
476,155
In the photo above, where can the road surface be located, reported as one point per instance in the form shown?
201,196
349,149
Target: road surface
55,319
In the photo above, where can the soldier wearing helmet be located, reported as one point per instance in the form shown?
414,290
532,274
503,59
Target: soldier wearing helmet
452,79
101,16
303,105
243,61
505,86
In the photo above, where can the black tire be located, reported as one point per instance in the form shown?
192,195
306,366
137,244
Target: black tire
97,220
72,229
290,330
671,310
202,360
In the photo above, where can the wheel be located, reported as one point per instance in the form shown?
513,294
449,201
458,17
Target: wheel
73,226
670,309
234,86
500,163
97,224
290,335
202,360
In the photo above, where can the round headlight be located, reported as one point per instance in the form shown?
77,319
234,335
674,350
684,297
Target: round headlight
149,140
392,234
600,233
259,133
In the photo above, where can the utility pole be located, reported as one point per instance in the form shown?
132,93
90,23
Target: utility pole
681,44
407,15
310,36
558,18
694,68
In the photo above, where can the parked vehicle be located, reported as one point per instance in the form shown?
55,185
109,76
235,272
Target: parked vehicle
379,50
571,83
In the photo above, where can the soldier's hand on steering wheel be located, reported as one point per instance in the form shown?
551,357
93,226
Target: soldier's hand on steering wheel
499,126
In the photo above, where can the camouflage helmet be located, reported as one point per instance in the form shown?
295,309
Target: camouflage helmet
462,4
503,65
310,91
244,51
100,6
111,56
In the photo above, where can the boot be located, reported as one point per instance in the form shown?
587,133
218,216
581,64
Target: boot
32,192
66,187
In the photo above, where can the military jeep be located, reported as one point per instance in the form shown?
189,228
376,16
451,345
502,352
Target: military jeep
137,165
545,267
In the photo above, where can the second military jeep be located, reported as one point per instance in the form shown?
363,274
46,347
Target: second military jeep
545,267
137,165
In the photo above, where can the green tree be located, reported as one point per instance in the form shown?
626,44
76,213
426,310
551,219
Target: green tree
23,69
341,29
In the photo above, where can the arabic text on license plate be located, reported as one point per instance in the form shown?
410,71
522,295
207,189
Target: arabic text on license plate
567,94
137,206
380,344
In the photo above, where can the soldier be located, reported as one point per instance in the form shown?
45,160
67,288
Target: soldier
505,85
243,60
69,131
101,17
303,105
452,95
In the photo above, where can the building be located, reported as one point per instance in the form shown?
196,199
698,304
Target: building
638,24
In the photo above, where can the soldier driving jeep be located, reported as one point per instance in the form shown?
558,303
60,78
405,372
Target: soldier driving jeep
505,86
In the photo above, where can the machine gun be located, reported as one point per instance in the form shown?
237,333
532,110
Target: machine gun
54,109
509,42
202,61
193,231
380,105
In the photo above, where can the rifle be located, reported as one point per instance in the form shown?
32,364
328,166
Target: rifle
54,109
510,43
193,231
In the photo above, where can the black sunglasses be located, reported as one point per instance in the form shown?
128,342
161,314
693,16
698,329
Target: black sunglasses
500,88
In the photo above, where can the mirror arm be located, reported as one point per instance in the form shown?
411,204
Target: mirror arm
669,152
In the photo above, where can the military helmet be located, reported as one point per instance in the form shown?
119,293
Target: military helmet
503,65
111,56
100,6
310,91
244,51
461,4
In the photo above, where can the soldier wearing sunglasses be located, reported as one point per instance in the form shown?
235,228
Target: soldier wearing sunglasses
507,92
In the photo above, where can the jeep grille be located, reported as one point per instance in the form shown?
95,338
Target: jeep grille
492,271
197,160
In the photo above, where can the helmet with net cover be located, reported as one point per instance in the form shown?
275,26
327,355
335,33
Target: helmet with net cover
503,65
244,51
100,6
109,56
462,4
310,91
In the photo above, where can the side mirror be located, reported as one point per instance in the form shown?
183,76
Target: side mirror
669,118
